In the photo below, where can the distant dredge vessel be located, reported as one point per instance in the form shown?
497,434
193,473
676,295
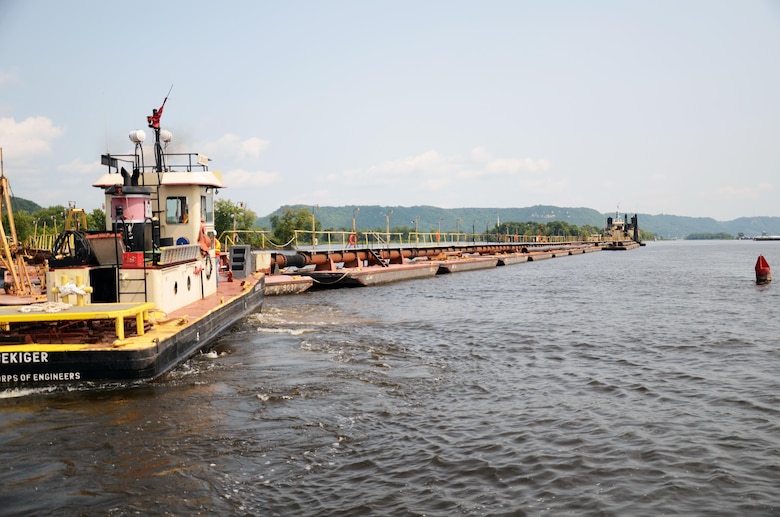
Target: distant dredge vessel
134,300
622,233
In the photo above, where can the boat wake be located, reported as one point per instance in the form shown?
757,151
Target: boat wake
292,332
298,321
24,392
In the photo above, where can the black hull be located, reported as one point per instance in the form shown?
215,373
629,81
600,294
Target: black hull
26,370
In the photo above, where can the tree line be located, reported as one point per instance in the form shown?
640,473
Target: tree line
283,227
30,220
230,216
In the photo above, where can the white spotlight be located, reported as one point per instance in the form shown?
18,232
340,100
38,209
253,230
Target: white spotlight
137,136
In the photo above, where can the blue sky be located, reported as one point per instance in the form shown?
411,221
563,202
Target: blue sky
650,106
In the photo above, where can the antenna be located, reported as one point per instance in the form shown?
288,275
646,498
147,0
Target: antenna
105,119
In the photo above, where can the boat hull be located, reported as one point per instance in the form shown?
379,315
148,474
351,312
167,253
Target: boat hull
620,246
278,285
466,264
512,258
369,276
143,358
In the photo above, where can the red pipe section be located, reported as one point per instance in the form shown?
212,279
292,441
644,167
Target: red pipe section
320,259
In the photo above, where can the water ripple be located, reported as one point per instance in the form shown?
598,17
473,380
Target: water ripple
610,384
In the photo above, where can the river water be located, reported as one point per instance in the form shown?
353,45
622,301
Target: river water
615,383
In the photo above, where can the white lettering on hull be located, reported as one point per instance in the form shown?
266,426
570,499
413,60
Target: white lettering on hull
41,377
23,357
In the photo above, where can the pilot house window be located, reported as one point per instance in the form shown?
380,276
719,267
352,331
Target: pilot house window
176,210
207,209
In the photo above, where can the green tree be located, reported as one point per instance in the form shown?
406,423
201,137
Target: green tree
52,218
229,216
284,226
588,230
96,219
710,236
23,222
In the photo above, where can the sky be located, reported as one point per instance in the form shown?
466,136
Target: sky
657,107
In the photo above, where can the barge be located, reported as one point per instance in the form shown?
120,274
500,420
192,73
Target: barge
137,298
365,276
456,265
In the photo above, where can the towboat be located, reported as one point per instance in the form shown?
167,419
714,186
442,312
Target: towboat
133,300
621,234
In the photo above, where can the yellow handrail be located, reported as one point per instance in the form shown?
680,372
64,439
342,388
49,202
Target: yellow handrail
340,239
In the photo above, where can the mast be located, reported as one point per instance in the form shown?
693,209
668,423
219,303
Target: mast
154,123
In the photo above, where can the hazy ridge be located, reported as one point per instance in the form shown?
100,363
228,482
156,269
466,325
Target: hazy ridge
663,225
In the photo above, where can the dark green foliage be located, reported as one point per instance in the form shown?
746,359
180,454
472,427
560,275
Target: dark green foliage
284,225
230,216
373,217
664,226
722,236
96,219
20,204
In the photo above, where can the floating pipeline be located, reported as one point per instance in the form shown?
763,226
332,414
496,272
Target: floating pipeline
327,260
328,269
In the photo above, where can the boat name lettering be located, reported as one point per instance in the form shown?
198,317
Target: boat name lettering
23,357
41,377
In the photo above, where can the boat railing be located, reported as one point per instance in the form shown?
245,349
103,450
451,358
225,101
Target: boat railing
172,162
339,240
255,238
40,242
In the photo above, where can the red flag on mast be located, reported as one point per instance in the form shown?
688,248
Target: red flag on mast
154,118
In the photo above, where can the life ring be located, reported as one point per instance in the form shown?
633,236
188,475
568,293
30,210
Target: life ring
209,267
353,240
204,241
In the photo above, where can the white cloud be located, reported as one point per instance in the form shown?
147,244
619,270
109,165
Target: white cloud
235,148
480,154
79,167
428,162
29,138
515,165
243,178
7,77
77,172
746,192
435,184
412,170
433,171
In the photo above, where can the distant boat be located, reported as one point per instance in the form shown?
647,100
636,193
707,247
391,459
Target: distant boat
763,272
765,237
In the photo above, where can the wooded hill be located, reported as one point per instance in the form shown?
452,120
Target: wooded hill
664,226
428,218
373,217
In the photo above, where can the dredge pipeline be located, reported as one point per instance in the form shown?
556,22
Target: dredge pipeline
330,259
295,272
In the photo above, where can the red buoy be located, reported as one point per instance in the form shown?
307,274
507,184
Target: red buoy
763,272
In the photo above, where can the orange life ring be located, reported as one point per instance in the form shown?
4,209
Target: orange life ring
352,239
204,241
